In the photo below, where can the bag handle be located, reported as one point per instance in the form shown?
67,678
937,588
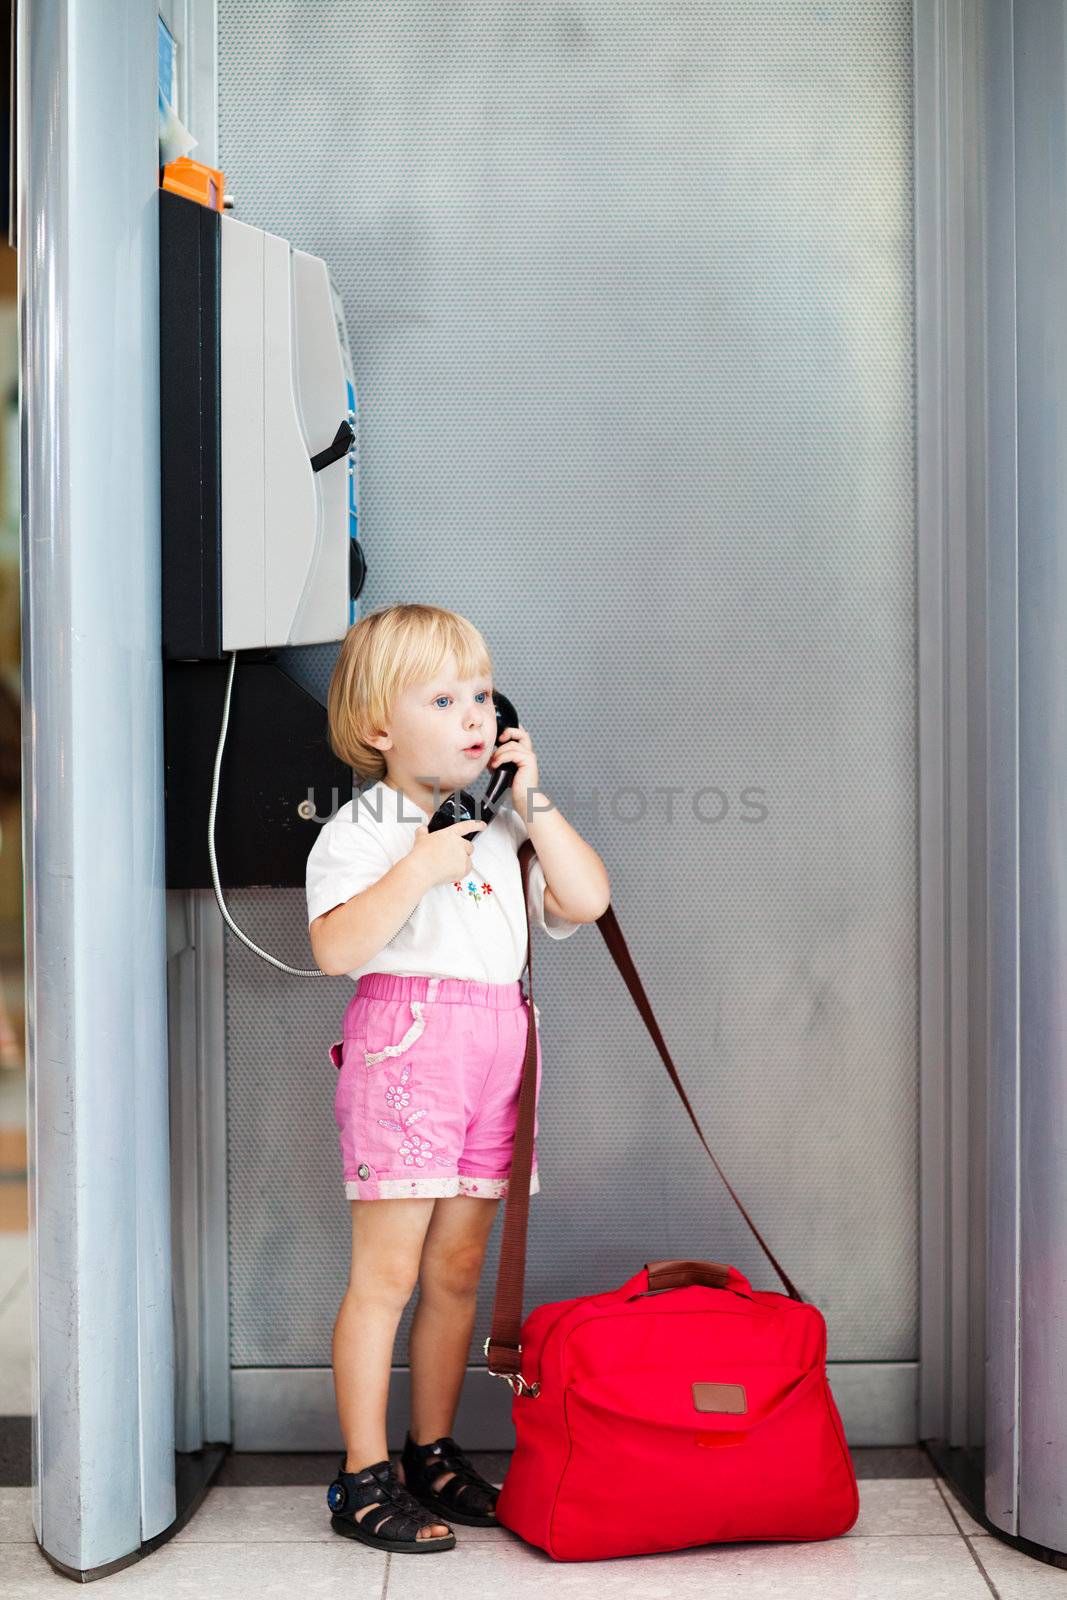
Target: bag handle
679,1274
502,1347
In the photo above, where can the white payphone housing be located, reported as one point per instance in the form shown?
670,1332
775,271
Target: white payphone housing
286,384
259,441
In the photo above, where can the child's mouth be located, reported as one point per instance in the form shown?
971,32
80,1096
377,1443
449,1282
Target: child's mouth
474,750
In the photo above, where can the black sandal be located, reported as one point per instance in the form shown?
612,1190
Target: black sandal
466,1497
378,1486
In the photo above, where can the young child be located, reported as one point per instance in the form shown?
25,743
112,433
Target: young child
432,928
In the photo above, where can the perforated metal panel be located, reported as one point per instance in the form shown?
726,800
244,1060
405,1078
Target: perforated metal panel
629,289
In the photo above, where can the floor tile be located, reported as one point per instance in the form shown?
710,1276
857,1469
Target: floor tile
16,1522
1013,1575
896,1566
179,1571
282,1514
901,1505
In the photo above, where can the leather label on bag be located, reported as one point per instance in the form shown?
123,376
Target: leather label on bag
719,1397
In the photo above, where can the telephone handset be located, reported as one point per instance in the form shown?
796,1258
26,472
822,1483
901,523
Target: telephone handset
461,805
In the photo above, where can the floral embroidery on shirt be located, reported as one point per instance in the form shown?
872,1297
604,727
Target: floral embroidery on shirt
471,887
414,1150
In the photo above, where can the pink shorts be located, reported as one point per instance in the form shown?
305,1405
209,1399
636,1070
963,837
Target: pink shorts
428,1090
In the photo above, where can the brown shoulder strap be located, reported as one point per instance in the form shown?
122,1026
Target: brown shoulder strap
502,1346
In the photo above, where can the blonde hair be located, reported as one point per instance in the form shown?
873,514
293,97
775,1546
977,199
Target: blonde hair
380,656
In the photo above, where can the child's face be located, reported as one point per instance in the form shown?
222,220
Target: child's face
431,725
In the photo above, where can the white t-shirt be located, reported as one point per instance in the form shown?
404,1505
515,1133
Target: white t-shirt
474,927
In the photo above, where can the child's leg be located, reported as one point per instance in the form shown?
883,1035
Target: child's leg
387,1239
453,1255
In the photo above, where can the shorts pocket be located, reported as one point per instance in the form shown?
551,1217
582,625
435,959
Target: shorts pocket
390,1028
347,1079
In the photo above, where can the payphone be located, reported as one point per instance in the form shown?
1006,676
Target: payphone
259,454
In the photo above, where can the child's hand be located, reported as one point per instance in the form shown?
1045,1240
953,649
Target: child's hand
517,747
445,854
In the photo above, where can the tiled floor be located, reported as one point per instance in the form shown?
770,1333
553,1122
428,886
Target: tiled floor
912,1539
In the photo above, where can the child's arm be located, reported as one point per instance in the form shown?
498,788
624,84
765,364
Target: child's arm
576,879
351,934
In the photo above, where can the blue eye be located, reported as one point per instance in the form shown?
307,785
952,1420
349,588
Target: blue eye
482,695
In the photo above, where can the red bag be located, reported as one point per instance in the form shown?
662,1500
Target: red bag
682,1408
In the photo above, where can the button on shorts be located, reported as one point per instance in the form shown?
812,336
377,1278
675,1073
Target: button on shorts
428,1088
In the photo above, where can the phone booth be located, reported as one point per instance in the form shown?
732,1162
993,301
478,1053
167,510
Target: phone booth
733,415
